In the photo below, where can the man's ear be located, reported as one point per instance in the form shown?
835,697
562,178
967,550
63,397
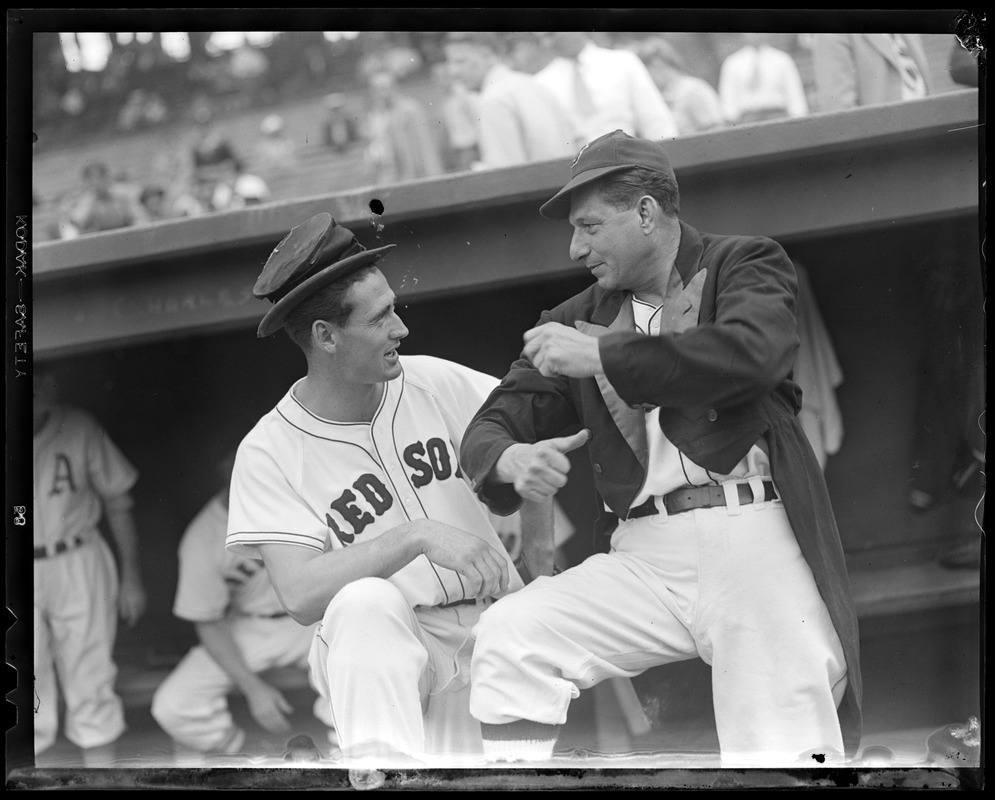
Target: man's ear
324,335
649,213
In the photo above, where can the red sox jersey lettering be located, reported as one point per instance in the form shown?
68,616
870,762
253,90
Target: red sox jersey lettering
427,461
312,482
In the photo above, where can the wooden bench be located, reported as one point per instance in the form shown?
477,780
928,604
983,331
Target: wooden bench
909,588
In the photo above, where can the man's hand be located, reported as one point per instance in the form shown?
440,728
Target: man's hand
538,471
556,349
483,568
131,600
268,707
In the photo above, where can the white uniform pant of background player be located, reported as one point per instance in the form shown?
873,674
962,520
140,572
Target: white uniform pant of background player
191,705
396,678
727,584
75,623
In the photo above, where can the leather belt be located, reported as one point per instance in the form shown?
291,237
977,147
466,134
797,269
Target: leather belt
459,603
60,547
689,497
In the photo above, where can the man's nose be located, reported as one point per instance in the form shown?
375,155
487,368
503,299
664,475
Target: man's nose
400,329
578,246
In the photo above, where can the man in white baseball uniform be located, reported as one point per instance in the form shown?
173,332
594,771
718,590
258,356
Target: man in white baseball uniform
79,476
243,631
351,492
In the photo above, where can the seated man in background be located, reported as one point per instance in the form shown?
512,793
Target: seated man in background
243,631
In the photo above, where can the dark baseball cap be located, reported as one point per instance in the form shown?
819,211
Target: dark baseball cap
613,152
310,257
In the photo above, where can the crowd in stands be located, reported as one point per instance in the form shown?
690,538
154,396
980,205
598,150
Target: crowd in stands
512,98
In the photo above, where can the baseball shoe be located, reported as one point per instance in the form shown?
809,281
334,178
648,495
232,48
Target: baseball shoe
876,755
301,748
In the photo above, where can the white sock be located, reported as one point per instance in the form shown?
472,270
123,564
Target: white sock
522,740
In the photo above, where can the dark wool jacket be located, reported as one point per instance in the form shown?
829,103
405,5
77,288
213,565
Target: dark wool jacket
721,374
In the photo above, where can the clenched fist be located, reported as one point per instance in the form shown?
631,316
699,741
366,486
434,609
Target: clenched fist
557,349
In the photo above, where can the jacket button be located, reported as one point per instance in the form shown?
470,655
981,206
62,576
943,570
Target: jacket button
712,415
597,468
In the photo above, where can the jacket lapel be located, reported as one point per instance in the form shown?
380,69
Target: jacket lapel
629,420
681,309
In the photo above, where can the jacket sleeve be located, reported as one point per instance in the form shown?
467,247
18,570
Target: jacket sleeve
525,407
743,351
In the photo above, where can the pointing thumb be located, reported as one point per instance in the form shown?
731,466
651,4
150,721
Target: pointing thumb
567,443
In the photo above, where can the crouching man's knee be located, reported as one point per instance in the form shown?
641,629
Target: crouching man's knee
369,622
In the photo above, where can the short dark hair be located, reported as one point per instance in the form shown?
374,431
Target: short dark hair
328,304
622,189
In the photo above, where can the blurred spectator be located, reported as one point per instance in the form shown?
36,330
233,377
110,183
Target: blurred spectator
338,128
400,141
275,152
519,119
526,52
964,63
694,103
104,205
141,109
604,90
235,188
759,82
249,66
862,69
459,117
155,204
195,199
211,146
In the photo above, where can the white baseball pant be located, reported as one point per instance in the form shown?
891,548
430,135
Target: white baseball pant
396,678
191,705
727,584
75,623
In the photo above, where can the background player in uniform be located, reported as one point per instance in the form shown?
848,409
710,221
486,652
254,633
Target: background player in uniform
79,476
352,493
243,630
723,541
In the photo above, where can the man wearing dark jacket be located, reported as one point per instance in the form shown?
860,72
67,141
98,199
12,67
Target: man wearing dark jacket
675,369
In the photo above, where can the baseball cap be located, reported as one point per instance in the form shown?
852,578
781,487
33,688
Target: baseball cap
311,256
613,152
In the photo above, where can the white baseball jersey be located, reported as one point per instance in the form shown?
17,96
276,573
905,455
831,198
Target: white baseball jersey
317,483
76,465
215,582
